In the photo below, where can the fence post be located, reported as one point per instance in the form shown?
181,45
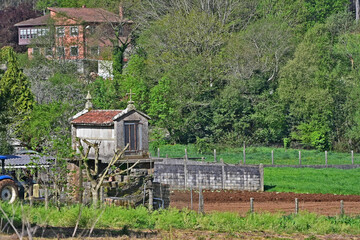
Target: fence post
151,198
167,156
272,157
261,170
215,155
191,197
352,157
244,156
185,169
299,157
201,198
202,159
326,158
222,174
158,152
342,212
296,206
251,205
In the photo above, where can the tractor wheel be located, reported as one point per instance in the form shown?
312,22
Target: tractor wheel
8,190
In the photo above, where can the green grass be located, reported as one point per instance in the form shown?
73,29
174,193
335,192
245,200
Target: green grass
140,218
309,180
257,155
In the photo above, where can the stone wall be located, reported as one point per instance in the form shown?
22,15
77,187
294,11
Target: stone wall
181,174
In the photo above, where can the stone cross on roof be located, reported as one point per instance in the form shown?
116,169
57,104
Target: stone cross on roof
131,105
130,94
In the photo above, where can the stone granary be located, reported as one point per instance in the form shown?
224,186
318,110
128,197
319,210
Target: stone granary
114,129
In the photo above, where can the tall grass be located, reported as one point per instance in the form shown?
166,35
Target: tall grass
257,155
140,218
309,180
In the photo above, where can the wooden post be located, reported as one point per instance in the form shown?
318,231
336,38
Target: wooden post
215,155
272,157
127,170
251,205
158,152
244,156
342,212
30,192
261,170
201,200
81,189
151,198
299,157
223,176
185,169
244,153
296,206
326,158
144,195
46,197
202,159
191,197
352,157
167,156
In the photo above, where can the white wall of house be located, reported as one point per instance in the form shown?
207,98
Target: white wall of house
105,69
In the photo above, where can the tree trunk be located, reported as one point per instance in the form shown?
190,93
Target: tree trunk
95,196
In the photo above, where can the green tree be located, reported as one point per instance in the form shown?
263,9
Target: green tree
14,86
184,49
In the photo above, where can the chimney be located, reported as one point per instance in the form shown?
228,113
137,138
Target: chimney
121,12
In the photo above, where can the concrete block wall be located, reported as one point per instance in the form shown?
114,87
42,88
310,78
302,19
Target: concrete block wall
181,174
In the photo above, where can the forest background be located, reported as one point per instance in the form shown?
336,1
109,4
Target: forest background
223,72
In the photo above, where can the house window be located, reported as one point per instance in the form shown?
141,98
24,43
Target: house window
33,33
28,33
74,51
60,51
94,51
22,33
131,135
42,31
74,31
60,31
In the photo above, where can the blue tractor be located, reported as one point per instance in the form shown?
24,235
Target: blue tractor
8,187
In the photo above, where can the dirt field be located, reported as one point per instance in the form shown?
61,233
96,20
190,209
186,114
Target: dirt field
236,201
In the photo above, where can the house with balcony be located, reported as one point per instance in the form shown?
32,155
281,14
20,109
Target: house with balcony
82,35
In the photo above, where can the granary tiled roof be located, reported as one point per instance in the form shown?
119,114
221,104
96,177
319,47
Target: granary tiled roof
97,117
40,21
88,14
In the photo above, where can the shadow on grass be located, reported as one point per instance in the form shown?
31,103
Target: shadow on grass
268,187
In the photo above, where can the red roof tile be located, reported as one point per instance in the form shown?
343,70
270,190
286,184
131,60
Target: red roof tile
94,15
88,14
40,21
100,117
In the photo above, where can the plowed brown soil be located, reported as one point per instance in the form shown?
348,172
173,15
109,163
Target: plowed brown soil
239,201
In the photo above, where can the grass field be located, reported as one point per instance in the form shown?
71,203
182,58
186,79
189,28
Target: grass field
140,218
309,180
257,155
